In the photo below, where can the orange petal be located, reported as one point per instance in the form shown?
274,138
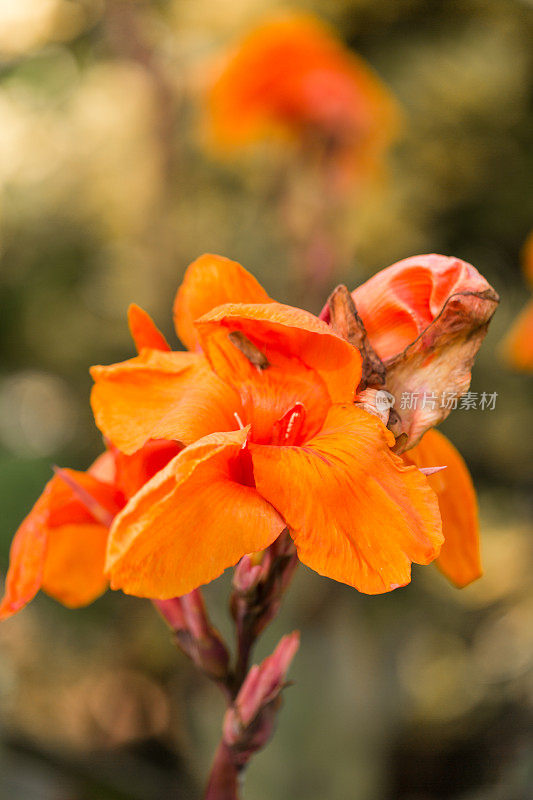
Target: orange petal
27,558
74,565
459,557
518,344
103,468
212,281
160,396
189,523
66,506
356,513
278,329
133,471
143,330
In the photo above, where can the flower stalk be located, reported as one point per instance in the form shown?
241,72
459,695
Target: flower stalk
253,695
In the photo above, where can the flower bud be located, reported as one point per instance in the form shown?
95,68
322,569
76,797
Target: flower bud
194,634
249,722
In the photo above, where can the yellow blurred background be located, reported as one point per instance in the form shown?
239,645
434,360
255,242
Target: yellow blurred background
109,187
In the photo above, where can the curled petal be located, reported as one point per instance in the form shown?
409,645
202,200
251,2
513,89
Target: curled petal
190,522
426,318
160,396
143,330
276,330
212,281
438,362
459,557
399,303
356,513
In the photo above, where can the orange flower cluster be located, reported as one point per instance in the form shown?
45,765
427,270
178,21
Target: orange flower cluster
518,345
292,77
265,425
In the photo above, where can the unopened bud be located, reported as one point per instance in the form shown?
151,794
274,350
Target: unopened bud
249,722
193,632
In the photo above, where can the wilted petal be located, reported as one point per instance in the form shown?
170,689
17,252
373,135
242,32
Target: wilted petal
439,363
426,318
340,312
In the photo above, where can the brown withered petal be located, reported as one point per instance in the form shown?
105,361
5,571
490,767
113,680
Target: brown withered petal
346,322
439,362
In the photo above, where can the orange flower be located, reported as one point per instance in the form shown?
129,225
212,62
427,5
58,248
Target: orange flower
518,344
60,546
292,76
274,441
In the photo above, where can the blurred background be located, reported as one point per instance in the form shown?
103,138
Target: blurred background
109,187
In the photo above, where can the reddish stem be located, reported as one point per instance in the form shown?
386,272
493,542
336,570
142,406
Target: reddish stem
224,778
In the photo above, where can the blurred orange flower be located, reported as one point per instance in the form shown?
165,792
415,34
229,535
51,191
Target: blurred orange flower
518,345
292,76
274,441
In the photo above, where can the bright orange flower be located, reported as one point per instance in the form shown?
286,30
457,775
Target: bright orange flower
518,344
60,546
274,441
292,76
